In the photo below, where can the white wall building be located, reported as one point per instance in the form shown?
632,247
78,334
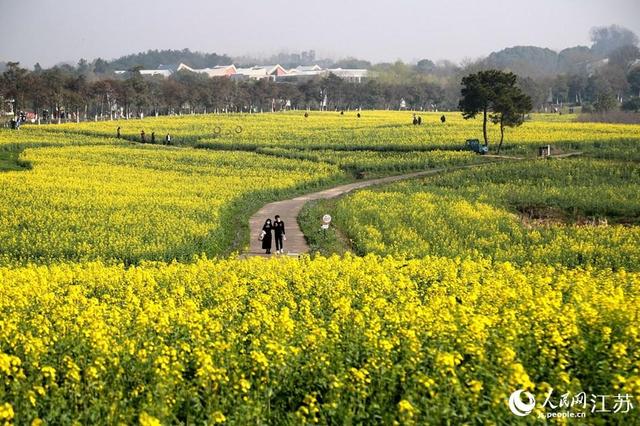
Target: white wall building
351,75
259,72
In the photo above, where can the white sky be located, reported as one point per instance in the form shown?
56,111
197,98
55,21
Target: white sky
51,31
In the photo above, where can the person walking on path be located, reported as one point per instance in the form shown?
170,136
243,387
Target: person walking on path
266,236
142,138
118,133
153,137
167,139
278,231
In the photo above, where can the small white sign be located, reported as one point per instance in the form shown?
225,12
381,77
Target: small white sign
326,218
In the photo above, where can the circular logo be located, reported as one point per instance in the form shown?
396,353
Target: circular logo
326,218
518,407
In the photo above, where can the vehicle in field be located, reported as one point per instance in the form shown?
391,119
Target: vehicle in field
475,146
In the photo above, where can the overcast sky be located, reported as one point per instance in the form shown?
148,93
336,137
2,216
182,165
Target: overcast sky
51,31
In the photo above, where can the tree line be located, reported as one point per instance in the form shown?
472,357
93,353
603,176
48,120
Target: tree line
61,92
603,77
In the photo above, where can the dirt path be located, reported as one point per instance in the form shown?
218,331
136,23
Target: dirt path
289,210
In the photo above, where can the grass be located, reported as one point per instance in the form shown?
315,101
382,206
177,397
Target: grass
10,161
323,241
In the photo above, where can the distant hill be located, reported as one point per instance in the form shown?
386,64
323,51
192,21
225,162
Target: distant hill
573,60
528,61
537,62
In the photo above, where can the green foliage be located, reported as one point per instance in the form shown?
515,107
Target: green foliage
632,104
570,212
496,92
605,102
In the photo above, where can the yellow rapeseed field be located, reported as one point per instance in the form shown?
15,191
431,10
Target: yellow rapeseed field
127,203
118,304
328,340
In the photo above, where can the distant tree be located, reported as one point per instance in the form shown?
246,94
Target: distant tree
138,89
477,96
494,92
395,73
634,80
311,92
195,88
560,89
632,105
352,63
221,92
624,56
103,93
597,85
605,102
100,66
577,87
14,84
510,105
75,94
83,66
174,95
536,90
425,66
54,82
607,39
37,91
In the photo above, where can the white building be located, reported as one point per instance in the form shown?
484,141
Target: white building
260,72
351,75
164,73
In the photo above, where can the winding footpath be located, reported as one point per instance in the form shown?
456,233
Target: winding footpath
289,210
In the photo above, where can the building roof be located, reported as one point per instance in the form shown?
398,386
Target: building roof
258,71
174,67
164,73
253,72
351,72
306,68
218,70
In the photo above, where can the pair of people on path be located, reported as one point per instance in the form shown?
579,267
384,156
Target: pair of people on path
270,230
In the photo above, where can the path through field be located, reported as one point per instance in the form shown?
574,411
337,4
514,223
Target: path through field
289,210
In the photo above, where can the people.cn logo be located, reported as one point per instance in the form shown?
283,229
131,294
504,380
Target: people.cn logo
519,407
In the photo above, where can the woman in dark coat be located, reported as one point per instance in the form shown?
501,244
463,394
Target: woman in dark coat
267,235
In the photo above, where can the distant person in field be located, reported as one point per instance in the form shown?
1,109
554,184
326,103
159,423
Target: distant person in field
358,115
419,120
142,137
167,139
118,133
415,120
266,236
278,231
153,137
443,118
306,114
